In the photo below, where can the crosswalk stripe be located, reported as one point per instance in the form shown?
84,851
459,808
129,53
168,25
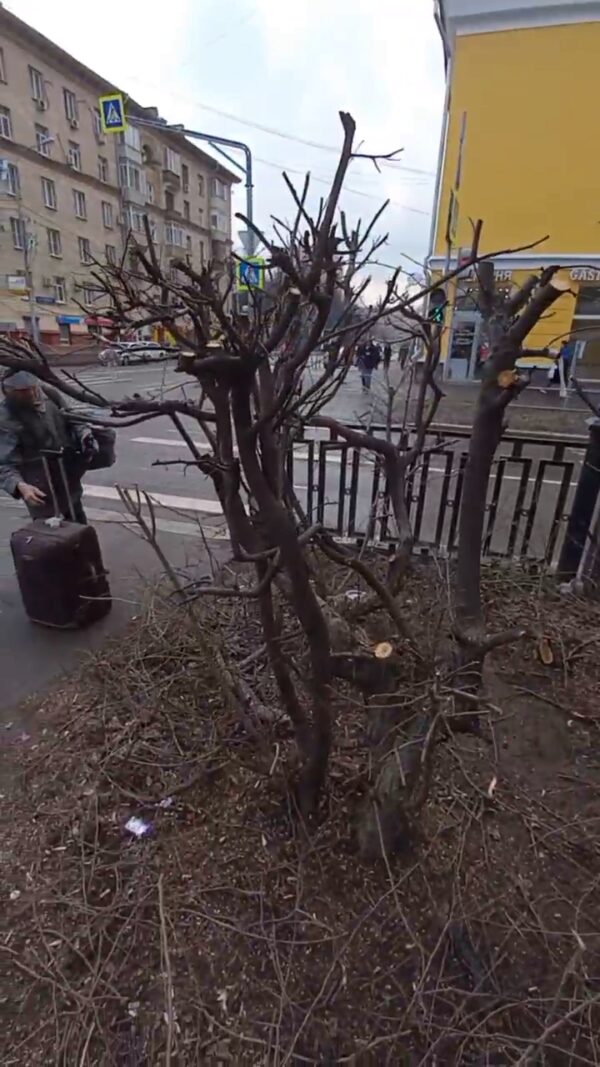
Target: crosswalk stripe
163,500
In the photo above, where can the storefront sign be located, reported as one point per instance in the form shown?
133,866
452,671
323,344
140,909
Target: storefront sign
45,299
68,320
585,274
499,275
17,283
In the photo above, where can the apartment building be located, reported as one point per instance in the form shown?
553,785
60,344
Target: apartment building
70,195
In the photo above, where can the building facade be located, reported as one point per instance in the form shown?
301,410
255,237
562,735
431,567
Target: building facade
518,151
70,195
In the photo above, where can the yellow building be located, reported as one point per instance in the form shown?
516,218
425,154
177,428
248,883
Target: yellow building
520,151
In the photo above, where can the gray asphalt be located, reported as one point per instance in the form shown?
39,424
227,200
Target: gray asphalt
186,511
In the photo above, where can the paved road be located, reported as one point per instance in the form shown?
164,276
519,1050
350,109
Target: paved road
187,507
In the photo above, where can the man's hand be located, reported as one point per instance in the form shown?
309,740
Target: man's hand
30,494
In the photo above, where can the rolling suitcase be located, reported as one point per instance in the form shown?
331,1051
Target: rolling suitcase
59,568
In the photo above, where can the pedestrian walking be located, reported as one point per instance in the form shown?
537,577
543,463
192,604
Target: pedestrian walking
387,356
32,425
368,360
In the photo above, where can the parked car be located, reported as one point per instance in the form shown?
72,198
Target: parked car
122,353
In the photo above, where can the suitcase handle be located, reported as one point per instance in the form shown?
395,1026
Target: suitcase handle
63,477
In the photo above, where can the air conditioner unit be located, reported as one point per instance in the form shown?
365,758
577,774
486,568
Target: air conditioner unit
47,283
74,124
42,105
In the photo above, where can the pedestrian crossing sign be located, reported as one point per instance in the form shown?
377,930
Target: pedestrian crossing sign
250,274
112,113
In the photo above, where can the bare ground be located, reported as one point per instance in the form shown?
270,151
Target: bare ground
229,934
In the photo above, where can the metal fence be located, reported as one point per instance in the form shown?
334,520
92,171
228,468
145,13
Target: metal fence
529,497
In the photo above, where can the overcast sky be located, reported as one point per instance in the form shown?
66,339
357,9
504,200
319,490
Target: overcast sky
289,65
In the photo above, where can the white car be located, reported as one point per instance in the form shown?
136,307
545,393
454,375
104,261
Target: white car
122,353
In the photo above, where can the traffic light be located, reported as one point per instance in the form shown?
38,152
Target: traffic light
438,302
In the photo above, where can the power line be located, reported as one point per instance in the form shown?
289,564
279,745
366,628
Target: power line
397,166
345,188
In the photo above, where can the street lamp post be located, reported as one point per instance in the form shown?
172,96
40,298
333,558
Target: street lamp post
215,142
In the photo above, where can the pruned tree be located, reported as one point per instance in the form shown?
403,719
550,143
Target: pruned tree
254,402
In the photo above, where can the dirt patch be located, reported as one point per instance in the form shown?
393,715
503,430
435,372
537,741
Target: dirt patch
227,933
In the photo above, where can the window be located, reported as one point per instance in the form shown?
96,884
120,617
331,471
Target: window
79,204
111,253
201,216
218,189
103,168
38,89
188,243
186,209
150,192
17,227
129,175
84,249
131,137
49,194
202,253
13,184
60,289
185,178
43,141
172,161
200,185
98,132
169,200
89,295
218,221
74,155
107,214
5,124
174,235
71,109
54,243
2,67
134,220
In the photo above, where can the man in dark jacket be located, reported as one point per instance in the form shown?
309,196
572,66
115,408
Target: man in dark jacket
33,424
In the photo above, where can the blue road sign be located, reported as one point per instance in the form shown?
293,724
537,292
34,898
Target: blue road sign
251,274
112,113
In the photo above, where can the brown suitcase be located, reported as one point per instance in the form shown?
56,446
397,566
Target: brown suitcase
60,571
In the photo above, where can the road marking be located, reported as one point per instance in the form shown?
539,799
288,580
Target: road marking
184,529
164,500
301,455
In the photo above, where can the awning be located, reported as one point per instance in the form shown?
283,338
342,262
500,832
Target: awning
98,320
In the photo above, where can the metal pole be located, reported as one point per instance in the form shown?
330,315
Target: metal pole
228,142
584,505
35,329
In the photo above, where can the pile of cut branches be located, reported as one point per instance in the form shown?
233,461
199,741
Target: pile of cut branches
225,933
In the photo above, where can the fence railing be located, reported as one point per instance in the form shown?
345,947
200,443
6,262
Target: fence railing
529,497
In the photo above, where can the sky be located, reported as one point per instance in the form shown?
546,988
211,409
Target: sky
289,66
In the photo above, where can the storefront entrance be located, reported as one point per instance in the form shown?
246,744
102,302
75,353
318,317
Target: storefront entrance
464,346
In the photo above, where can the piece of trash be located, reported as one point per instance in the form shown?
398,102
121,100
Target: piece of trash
222,999
14,894
133,1008
492,787
137,826
545,651
353,594
166,803
54,522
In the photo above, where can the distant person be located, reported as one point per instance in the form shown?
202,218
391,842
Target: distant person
32,424
368,361
387,356
566,355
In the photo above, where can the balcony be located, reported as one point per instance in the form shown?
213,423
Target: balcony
171,179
